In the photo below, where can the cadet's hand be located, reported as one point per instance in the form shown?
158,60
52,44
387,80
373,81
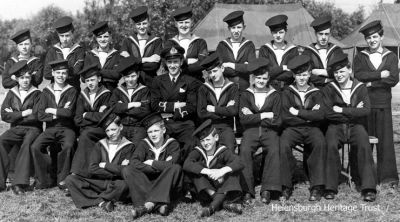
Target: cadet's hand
134,105
13,77
50,111
267,115
205,171
229,65
124,54
125,162
294,111
102,108
337,109
217,174
168,158
231,103
210,108
148,162
385,74
84,114
66,106
9,110
246,111
178,105
360,105
319,72
102,164
192,60
34,72
153,58
316,107
285,68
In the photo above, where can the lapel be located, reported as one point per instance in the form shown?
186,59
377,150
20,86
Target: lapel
31,90
157,152
213,161
85,93
124,142
122,88
286,50
296,92
51,89
251,90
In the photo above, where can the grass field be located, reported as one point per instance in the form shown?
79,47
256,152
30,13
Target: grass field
52,205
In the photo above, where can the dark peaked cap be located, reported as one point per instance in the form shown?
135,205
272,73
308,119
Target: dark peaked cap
234,18
321,23
299,64
277,22
139,14
63,24
371,28
19,68
181,14
204,130
100,28
21,36
151,119
337,62
211,61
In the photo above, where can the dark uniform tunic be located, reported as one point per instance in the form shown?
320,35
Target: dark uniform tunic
197,49
109,74
23,131
263,133
159,182
35,66
380,122
90,133
347,127
320,63
130,118
179,122
303,129
245,54
223,116
102,184
223,156
153,47
75,59
59,130
280,77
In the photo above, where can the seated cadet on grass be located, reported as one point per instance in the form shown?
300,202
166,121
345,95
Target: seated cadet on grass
218,99
92,102
104,55
195,47
143,45
214,170
302,114
347,104
259,112
65,49
322,51
175,96
131,100
56,108
24,52
279,51
236,51
19,108
154,176
104,185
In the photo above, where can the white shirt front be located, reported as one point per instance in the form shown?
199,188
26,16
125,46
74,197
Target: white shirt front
157,153
172,77
279,55
103,58
346,94
142,45
130,92
209,159
23,94
65,52
323,54
184,43
218,92
260,99
302,97
57,93
376,59
235,48
92,96
112,150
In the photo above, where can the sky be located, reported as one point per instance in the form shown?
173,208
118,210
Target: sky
24,8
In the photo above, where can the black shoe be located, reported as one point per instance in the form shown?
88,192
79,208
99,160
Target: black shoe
139,211
286,193
247,199
329,194
233,207
207,211
369,196
17,189
266,197
315,194
164,210
108,206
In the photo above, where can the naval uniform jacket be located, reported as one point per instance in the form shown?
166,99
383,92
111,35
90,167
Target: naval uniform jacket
83,105
120,99
223,114
351,114
307,116
35,66
65,107
75,59
380,92
316,60
14,101
109,69
113,168
153,47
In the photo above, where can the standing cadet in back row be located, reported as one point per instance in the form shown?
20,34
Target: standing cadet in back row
143,45
175,95
279,52
104,56
236,51
19,108
377,67
24,46
65,49
195,47
218,100
322,51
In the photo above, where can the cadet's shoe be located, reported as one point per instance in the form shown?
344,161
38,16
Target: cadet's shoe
107,206
329,194
139,211
207,211
369,196
18,190
286,193
316,193
247,199
164,210
266,197
233,207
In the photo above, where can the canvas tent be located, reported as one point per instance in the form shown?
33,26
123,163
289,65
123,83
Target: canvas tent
213,29
389,14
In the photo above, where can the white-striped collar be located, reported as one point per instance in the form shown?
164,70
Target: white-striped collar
124,142
124,91
160,150
204,154
16,92
99,93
